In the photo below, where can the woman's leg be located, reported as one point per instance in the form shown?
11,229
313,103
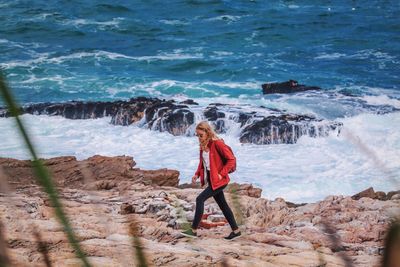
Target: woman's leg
207,193
226,210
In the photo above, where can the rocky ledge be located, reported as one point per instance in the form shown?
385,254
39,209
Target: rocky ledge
103,196
257,125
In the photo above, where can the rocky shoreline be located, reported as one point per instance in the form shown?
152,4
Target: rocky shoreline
104,195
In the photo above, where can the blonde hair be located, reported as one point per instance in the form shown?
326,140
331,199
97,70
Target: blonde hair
210,133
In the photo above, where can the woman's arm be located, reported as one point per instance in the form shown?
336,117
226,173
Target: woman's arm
225,152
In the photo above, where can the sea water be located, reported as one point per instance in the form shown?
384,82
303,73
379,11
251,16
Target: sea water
214,52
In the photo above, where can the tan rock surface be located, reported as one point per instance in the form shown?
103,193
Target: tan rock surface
273,233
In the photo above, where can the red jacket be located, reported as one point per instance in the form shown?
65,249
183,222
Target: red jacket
217,149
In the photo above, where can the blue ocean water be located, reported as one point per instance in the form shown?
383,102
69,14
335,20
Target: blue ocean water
215,51
100,50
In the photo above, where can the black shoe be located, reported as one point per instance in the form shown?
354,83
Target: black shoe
232,236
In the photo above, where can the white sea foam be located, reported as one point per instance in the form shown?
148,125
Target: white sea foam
174,22
83,22
380,57
48,58
382,100
330,56
307,171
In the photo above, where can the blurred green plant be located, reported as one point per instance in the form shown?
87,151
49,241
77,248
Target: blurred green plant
41,173
137,244
42,248
391,255
4,260
181,215
237,207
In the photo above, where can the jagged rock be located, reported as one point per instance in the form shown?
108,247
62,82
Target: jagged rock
290,86
244,189
212,113
243,118
294,205
366,193
392,193
161,177
188,102
99,172
166,116
132,111
178,119
216,118
284,129
374,195
380,195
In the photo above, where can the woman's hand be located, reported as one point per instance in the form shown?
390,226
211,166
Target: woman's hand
219,176
194,178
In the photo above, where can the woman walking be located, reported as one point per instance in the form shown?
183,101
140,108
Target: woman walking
216,160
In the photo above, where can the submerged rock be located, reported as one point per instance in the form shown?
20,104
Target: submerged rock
290,86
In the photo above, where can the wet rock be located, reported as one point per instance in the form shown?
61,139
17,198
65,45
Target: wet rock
284,129
242,118
178,118
167,116
132,111
188,102
290,86
212,113
216,118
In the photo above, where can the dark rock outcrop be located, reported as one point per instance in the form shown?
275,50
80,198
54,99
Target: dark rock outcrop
284,129
370,193
167,116
266,126
290,86
216,118
189,102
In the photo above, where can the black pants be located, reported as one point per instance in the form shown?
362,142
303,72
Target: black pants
219,197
